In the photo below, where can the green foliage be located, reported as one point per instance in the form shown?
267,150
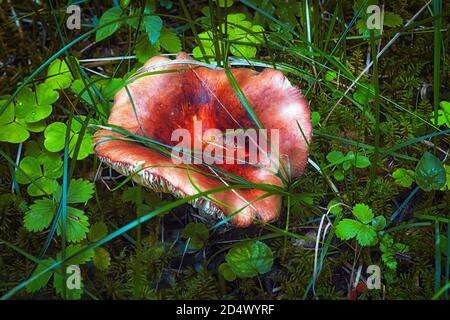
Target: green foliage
197,235
242,34
248,260
364,228
430,173
55,135
443,115
344,162
106,24
42,212
403,177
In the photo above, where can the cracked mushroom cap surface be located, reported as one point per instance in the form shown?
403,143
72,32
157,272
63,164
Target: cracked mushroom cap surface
157,104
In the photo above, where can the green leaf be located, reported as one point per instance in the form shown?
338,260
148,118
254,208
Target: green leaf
29,170
153,26
41,281
170,41
403,177
379,223
8,114
361,161
80,191
41,186
85,147
338,175
58,75
334,207
36,126
55,135
347,229
335,157
392,20
225,3
98,231
102,259
249,259
363,213
197,234
430,173
330,75
13,133
77,225
38,113
107,17
82,258
46,95
70,294
227,272
315,118
367,236
53,165
144,50
39,216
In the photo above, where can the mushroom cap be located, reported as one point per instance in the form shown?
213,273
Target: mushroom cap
163,102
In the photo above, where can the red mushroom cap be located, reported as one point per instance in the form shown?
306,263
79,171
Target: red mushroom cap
167,101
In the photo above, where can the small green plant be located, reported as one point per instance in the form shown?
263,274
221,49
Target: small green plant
430,173
343,163
243,37
403,177
389,250
364,228
196,234
42,211
443,117
247,260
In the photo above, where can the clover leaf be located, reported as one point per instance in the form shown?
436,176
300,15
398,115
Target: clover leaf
58,75
55,135
403,177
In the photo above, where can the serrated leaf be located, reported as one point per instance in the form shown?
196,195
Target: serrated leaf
82,258
41,281
170,41
363,213
77,225
366,235
70,294
347,229
392,20
80,191
153,26
106,20
98,231
430,173
39,216
249,259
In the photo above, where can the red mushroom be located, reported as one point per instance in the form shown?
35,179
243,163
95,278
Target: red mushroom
176,99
